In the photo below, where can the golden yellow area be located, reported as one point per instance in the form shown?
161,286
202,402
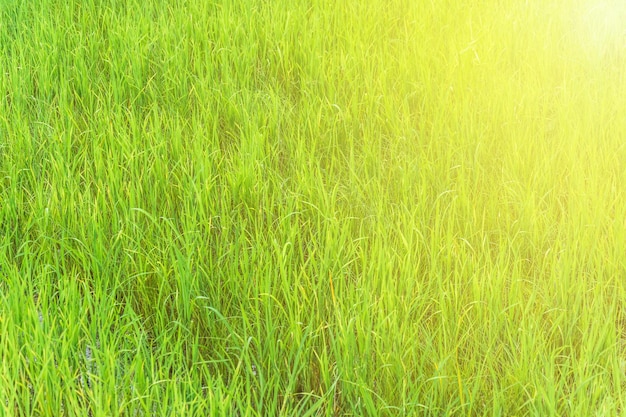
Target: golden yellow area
602,26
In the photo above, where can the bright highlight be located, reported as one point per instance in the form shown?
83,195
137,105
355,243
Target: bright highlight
604,26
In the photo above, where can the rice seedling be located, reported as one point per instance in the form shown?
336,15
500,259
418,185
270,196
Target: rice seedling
317,208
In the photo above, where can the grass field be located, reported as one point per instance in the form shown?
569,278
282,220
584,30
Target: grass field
312,208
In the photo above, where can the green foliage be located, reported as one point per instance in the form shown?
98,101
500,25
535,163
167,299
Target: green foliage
314,208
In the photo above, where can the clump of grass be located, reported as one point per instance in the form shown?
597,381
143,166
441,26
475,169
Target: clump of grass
323,208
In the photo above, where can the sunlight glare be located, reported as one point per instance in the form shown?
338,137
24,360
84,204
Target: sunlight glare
604,25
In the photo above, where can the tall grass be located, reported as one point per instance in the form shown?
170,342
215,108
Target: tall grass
313,208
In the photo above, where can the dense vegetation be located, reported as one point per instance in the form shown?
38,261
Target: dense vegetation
312,208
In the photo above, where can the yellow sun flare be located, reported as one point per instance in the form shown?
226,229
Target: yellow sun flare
604,25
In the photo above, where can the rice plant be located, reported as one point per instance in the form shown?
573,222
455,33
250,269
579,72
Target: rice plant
313,208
